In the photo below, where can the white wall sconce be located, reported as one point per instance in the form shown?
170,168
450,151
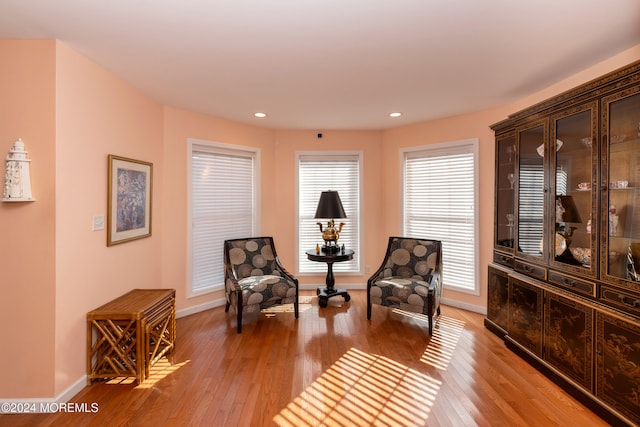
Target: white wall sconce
17,178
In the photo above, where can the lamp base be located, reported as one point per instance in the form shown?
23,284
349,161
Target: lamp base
330,249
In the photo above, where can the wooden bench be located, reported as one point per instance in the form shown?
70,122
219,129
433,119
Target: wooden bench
127,335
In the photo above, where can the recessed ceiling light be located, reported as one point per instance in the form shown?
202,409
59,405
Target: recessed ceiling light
395,114
260,115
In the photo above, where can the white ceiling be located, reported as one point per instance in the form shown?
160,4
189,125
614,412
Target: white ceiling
333,64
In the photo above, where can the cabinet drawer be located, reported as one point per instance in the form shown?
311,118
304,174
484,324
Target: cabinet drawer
530,270
621,299
577,285
503,259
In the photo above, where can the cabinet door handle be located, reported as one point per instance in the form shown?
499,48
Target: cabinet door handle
599,349
569,282
628,301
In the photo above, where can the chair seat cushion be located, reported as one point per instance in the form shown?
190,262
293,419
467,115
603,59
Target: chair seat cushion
266,290
401,292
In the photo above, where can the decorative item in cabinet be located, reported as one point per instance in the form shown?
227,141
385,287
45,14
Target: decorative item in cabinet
525,315
498,301
618,364
568,328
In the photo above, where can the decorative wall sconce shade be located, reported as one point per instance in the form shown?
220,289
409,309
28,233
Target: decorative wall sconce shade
330,206
17,186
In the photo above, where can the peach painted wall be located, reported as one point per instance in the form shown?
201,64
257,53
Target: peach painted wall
97,115
27,230
373,238
180,125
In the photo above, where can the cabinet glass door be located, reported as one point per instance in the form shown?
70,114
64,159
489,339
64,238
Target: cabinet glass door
531,192
575,185
505,191
620,223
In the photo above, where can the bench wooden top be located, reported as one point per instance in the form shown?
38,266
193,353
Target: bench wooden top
132,304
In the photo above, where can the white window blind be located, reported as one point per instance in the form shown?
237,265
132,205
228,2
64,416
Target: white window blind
531,205
223,200
440,203
530,208
318,173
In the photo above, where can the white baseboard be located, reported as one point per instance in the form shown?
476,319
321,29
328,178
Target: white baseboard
200,307
464,306
60,403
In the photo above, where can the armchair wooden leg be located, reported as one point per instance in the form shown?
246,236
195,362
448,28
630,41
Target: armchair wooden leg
430,303
368,305
239,310
226,307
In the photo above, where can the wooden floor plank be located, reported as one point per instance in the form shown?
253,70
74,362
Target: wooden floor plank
330,367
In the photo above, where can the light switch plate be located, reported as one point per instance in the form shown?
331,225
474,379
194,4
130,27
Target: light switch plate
98,222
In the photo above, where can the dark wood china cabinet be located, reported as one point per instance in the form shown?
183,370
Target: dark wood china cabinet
564,285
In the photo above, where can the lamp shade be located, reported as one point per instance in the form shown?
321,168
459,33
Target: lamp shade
330,206
569,211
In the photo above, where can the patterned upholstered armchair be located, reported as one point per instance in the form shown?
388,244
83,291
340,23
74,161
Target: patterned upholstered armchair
409,279
254,277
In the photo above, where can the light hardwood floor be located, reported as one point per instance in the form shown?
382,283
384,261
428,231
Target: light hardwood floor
331,367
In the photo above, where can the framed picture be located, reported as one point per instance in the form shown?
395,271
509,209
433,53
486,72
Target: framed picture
129,203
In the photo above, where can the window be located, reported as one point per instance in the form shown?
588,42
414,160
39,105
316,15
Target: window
530,208
440,203
531,204
223,200
318,172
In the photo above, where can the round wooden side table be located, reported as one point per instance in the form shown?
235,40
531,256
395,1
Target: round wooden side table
329,258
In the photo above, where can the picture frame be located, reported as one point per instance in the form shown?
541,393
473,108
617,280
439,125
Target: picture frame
129,200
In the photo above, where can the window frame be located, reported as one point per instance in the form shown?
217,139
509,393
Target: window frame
470,146
218,148
357,257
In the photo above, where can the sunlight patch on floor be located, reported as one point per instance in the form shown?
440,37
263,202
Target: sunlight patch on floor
160,370
443,342
363,389
304,304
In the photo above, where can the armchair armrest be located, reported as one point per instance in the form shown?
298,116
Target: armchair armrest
284,271
436,281
230,278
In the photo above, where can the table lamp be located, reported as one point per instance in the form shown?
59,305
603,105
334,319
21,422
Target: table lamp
330,206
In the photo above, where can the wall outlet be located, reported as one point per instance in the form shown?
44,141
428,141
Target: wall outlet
367,269
98,223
